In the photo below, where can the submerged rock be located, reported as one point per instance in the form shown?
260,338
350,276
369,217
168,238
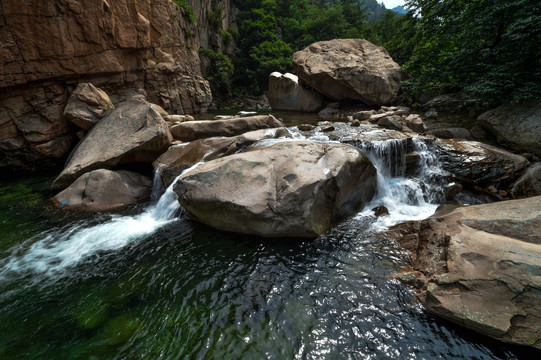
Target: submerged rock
483,267
194,130
349,69
285,93
87,105
179,158
104,190
292,188
134,132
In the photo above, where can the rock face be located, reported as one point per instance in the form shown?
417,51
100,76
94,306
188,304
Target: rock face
87,105
104,190
528,184
483,264
285,93
181,157
517,126
122,47
349,69
475,163
291,188
193,130
134,132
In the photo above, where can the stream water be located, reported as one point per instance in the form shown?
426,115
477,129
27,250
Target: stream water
149,283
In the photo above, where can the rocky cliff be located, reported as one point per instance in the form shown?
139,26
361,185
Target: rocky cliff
125,47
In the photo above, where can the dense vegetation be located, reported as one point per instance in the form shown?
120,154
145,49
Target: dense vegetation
488,49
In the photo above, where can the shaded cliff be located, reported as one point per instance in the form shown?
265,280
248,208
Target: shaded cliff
126,47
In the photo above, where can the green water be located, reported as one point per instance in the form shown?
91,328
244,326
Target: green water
189,292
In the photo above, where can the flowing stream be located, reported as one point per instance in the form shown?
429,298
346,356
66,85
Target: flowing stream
151,284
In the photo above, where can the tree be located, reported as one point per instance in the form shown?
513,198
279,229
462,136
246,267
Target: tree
488,49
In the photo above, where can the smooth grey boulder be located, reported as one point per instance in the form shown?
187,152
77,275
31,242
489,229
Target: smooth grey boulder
194,130
289,189
349,69
481,267
134,132
104,190
87,105
181,157
515,125
391,123
285,93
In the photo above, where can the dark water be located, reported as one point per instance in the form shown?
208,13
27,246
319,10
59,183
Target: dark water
189,292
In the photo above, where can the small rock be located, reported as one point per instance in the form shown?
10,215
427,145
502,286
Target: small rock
380,211
451,190
306,127
326,126
415,123
362,115
451,133
355,123
390,122
376,117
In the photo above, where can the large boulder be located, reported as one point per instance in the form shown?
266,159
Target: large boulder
475,163
193,130
134,132
104,190
483,267
515,125
349,69
180,157
285,93
87,105
292,188
529,184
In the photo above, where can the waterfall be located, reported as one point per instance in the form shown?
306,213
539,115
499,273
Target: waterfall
52,252
406,198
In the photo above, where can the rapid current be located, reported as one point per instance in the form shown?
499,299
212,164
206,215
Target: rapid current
150,283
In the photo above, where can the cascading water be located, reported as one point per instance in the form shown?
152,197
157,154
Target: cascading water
57,250
406,198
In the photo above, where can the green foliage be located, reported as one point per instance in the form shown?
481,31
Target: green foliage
219,72
488,49
186,8
215,17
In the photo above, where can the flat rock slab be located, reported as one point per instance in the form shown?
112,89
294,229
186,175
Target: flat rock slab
134,132
194,130
483,265
289,189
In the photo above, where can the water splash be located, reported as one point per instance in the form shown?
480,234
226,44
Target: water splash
406,198
50,254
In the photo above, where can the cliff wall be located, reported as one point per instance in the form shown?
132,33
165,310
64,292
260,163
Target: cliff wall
125,47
